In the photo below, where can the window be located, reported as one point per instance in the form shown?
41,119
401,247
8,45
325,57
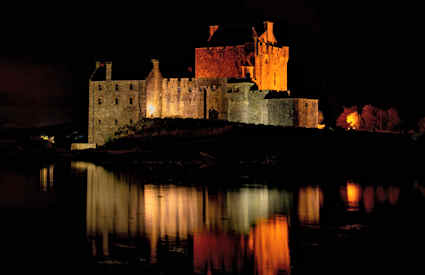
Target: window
131,86
99,87
190,90
100,121
117,87
131,121
131,100
306,105
99,101
179,89
116,122
116,101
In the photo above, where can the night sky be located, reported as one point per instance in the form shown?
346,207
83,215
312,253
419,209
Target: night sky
343,52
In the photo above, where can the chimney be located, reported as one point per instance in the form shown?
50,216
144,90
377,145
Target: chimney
268,26
213,29
108,70
155,63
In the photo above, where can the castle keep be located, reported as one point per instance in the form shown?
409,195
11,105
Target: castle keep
235,80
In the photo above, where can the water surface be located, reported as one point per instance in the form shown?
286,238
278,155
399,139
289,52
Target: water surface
85,216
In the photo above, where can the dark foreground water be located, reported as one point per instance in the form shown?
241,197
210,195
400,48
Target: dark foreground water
80,217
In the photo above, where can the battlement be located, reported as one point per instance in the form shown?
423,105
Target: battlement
178,82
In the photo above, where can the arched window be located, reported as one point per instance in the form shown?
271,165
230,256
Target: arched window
131,86
131,100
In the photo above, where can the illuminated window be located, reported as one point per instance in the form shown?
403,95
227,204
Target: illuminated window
116,101
99,101
131,86
117,87
131,100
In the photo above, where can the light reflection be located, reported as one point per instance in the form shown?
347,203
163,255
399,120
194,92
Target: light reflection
380,194
351,194
369,199
310,200
119,210
47,178
269,242
393,194
218,251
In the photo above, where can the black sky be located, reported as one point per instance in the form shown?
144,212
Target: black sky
345,52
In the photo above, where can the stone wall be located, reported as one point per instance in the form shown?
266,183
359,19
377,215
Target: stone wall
114,104
308,112
223,62
281,112
271,67
181,97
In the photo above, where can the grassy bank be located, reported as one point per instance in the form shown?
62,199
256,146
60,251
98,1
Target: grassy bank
203,143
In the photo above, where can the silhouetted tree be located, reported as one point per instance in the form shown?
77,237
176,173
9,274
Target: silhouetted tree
393,121
369,118
421,125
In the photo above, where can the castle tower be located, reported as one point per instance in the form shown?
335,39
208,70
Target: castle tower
241,53
270,72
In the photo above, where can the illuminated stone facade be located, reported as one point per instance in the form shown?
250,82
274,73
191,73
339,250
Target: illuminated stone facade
232,83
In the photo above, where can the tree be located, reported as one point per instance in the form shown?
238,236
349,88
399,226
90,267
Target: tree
369,119
421,125
393,121
342,119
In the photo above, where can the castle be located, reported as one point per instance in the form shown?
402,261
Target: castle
238,80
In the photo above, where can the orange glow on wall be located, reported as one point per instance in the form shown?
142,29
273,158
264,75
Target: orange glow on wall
151,110
269,243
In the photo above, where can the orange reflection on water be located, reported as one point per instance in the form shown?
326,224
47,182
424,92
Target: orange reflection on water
46,177
352,194
380,194
217,251
269,242
369,199
310,200
393,194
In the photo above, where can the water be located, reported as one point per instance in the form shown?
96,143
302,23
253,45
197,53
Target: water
78,215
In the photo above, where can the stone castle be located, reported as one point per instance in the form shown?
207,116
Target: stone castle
238,80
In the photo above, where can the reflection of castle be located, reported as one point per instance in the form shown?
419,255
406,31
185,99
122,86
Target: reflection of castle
46,177
240,222
240,76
